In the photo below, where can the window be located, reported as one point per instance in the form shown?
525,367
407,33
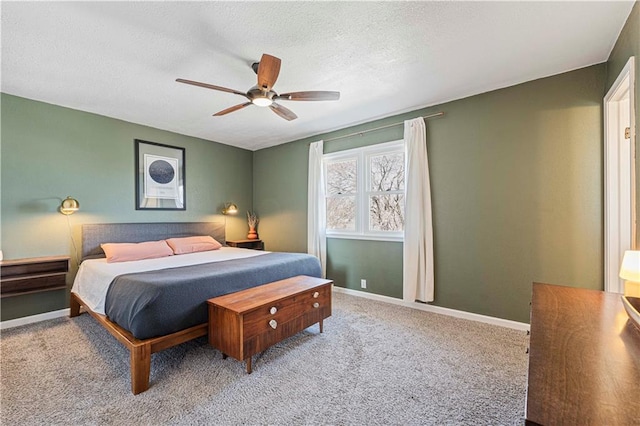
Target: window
365,192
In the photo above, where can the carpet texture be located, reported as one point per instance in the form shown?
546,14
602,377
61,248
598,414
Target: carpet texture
375,363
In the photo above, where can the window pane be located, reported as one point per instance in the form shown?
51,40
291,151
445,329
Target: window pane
387,172
386,212
341,213
341,177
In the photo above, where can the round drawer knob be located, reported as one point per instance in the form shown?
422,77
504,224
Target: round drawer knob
315,295
315,305
273,310
273,324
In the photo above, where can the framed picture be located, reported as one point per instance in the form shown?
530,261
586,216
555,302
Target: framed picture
160,177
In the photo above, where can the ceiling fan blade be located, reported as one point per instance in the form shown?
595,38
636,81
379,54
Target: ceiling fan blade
231,109
210,86
309,96
283,112
268,71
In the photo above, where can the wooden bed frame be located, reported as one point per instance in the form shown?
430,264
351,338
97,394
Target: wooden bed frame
141,349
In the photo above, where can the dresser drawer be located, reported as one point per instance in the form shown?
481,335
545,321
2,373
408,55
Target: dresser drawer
260,320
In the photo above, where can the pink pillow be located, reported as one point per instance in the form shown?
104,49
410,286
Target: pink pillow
124,252
193,244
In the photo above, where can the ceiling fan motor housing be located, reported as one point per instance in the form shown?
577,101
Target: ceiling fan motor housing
262,95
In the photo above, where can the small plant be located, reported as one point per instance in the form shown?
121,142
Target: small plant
252,219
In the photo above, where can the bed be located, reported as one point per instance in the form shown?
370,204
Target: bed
155,304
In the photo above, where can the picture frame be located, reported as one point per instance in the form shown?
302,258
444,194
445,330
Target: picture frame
160,176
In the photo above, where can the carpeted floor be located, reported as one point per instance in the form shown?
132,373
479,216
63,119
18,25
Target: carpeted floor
375,363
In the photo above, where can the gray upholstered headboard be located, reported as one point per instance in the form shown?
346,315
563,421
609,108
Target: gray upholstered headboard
95,234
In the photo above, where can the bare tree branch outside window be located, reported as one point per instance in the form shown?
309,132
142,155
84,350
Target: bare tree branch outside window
342,186
386,211
387,172
383,194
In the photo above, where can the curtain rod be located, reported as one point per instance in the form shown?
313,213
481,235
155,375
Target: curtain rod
437,114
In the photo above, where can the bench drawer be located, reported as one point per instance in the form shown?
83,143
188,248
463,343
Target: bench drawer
281,311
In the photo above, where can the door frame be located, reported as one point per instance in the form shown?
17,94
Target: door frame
619,175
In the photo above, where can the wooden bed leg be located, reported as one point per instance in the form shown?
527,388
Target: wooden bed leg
74,306
140,367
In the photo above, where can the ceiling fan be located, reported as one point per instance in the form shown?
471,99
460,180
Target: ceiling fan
262,94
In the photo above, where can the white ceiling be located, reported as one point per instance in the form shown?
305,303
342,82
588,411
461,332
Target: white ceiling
121,59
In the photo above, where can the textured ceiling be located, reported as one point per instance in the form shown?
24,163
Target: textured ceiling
121,59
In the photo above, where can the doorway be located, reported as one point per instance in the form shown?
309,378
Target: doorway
619,175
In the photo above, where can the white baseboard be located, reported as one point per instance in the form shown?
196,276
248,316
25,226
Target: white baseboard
33,318
437,309
421,306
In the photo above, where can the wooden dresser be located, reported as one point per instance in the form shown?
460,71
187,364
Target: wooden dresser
584,359
245,323
32,275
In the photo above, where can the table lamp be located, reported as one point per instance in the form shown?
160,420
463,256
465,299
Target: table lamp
630,272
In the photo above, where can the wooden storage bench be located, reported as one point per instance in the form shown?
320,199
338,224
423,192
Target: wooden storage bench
245,323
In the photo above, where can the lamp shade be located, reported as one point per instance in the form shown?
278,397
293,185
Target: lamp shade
69,206
230,208
630,268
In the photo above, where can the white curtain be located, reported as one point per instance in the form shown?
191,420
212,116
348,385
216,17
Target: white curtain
316,227
417,271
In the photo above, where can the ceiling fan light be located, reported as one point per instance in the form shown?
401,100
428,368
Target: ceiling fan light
262,102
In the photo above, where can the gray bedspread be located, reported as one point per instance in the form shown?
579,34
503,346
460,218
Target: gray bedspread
156,303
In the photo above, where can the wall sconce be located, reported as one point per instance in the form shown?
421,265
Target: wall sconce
69,206
230,208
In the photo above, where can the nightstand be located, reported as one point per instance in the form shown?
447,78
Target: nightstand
32,275
248,244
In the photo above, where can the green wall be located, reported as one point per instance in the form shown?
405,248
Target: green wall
627,45
516,185
516,180
49,152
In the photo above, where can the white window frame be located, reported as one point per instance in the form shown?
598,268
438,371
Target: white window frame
362,156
